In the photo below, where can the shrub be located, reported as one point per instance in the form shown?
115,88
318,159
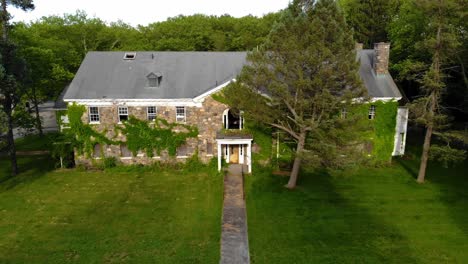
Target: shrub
109,162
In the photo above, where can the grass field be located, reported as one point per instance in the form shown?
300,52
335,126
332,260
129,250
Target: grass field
376,215
115,216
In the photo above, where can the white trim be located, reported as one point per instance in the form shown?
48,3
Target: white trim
182,157
126,158
218,88
376,99
236,141
136,102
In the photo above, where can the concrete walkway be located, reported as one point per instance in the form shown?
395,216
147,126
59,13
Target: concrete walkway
234,239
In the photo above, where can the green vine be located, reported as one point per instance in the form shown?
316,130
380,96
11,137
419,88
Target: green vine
141,135
83,136
155,136
382,131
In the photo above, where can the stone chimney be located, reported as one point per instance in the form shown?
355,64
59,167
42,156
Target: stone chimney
359,46
382,55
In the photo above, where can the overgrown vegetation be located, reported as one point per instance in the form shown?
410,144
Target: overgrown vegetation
155,136
141,135
381,134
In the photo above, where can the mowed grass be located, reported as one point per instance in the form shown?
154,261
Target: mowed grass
378,215
117,216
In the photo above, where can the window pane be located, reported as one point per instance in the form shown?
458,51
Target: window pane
124,151
182,150
153,82
97,151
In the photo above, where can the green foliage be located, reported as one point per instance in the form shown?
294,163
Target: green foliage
109,162
155,136
370,19
381,134
303,75
447,155
82,136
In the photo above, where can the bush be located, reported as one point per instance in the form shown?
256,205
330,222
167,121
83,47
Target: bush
109,162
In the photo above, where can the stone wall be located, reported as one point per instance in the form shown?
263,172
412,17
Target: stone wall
207,118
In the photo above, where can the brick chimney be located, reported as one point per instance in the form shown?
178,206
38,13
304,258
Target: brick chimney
382,55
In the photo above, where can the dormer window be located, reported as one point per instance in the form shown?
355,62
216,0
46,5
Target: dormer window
130,56
154,79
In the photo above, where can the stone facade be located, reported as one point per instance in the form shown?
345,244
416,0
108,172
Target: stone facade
208,119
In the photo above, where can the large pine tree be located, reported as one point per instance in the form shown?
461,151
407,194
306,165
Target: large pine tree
441,40
301,78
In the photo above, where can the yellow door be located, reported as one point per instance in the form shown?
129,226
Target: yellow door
234,154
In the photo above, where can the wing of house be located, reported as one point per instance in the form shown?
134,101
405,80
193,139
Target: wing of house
177,86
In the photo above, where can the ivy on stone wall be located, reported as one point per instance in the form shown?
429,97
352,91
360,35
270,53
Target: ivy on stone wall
141,135
156,136
83,136
382,132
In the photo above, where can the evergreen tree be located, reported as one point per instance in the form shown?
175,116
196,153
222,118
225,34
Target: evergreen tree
11,70
301,79
370,19
441,40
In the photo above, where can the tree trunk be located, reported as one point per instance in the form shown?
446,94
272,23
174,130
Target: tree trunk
425,154
434,97
10,138
297,161
5,19
36,108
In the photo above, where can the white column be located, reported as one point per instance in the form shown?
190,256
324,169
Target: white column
219,156
249,157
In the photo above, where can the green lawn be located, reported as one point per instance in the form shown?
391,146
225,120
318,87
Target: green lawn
364,216
35,142
120,215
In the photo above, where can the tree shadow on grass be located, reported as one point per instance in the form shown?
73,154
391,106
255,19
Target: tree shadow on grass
322,221
30,168
452,183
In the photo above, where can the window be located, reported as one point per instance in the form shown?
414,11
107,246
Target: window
123,113
344,113
151,113
182,151
130,56
209,148
372,112
93,114
125,152
154,79
180,113
97,151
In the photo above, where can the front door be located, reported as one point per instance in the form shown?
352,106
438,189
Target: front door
234,154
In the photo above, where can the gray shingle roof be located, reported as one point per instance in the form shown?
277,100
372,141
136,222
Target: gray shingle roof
377,85
184,75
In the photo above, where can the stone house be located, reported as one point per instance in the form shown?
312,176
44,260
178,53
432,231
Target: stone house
178,86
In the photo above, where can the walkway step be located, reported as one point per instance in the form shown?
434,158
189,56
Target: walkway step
234,239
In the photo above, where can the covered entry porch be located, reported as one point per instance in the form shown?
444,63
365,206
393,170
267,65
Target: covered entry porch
235,150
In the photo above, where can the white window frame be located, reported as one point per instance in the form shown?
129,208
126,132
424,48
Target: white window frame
372,112
91,115
122,113
151,116
179,117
